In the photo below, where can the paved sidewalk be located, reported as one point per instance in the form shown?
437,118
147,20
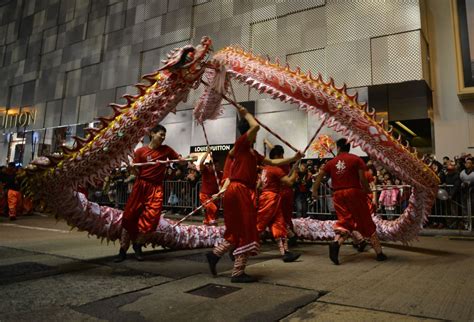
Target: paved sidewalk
49,273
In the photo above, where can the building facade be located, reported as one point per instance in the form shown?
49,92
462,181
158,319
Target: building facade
63,61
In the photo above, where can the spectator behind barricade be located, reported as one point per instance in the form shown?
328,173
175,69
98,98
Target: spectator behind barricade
379,175
459,163
467,175
437,168
26,202
120,187
453,182
3,192
467,184
13,192
193,178
446,161
329,201
312,171
404,194
179,175
170,174
106,187
193,175
315,171
388,199
110,185
130,180
302,190
386,178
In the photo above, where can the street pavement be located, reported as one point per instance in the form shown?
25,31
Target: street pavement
51,273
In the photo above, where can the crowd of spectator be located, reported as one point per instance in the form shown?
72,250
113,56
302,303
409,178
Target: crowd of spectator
390,194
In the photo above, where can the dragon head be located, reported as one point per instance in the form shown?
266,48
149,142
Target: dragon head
188,62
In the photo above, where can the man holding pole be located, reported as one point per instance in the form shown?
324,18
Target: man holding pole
271,202
347,172
143,209
239,201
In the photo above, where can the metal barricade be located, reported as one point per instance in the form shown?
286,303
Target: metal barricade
453,212
452,208
176,195
121,195
180,194
322,207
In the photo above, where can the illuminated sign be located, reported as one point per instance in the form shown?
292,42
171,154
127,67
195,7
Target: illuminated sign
217,147
11,120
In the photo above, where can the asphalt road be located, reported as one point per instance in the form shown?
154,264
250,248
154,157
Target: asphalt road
50,273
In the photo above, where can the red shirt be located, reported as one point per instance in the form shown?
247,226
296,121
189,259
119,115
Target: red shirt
153,173
227,167
271,176
344,171
246,159
209,184
286,169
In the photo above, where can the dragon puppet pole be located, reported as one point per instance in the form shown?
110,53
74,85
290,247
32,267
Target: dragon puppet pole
215,197
237,106
309,143
210,153
314,135
160,161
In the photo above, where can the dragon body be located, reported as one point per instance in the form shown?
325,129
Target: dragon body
57,178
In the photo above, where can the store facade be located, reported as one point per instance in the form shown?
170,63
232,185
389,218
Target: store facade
63,61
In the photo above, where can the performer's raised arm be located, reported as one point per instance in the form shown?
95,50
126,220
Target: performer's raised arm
252,123
277,162
203,159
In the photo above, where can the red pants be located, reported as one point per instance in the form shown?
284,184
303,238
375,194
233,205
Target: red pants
270,214
240,217
352,212
287,205
14,203
211,209
143,209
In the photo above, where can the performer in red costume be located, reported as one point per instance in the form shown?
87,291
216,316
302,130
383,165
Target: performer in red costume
287,203
270,203
209,188
143,209
239,201
347,172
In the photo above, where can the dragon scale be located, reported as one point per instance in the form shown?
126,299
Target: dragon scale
55,179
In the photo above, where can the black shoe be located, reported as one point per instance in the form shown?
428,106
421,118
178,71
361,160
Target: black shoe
212,259
137,248
334,252
12,218
243,278
121,256
381,257
293,241
360,246
290,257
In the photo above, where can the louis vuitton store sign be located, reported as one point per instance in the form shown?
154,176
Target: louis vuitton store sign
10,119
